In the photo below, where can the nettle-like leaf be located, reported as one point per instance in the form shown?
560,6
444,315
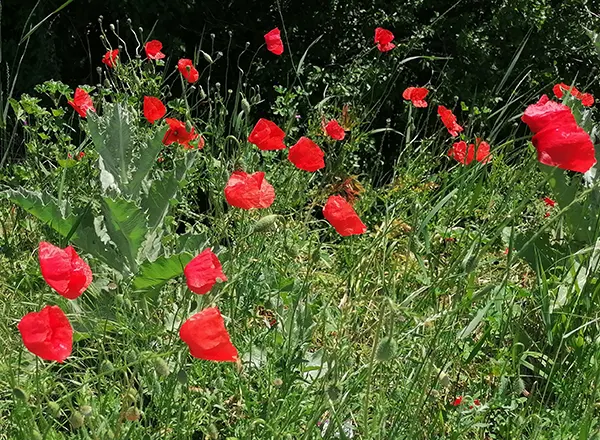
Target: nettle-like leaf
155,273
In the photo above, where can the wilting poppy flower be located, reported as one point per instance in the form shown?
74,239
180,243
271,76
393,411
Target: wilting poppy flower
343,217
476,402
307,155
82,102
383,39
203,271
154,109
47,333
335,131
207,337
587,99
201,142
273,41
547,113
266,135
416,95
187,69
549,202
177,132
457,401
153,50
248,191
449,120
568,147
64,270
465,154
110,58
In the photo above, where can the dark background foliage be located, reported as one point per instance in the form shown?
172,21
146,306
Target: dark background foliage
479,38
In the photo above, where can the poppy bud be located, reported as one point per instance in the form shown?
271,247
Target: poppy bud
212,36
131,395
277,382
247,44
54,408
182,377
444,379
219,54
112,27
99,70
266,223
202,93
100,19
246,106
213,433
106,367
77,420
386,349
218,86
161,367
36,435
20,394
129,21
207,57
86,410
130,357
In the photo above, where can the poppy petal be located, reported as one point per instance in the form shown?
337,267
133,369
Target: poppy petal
266,135
153,50
202,273
64,270
47,333
154,109
207,337
249,191
306,155
273,41
342,216
335,131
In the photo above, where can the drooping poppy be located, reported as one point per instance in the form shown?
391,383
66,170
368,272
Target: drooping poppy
153,50
465,154
187,69
64,270
342,216
207,337
202,273
177,132
383,39
110,58
273,41
449,120
307,155
416,95
154,109
266,135
335,131
47,333
82,102
567,146
249,191
547,113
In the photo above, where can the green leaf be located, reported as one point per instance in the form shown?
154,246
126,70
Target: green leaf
45,208
127,226
158,272
145,162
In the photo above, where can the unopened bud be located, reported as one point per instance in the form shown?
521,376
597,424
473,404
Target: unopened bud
161,367
86,410
133,414
77,420
386,349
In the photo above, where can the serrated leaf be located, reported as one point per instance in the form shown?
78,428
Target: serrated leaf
127,226
45,208
158,272
145,162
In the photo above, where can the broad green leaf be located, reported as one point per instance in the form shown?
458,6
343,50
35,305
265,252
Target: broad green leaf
127,226
158,272
145,161
45,208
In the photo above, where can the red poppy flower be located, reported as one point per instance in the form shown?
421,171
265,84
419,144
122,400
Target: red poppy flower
82,102
566,146
81,155
266,135
335,131
343,217
47,333
187,69
203,271
465,154
154,109
416,95
153,50
383,39
110,58
449,120
177,132
207,337
549,202
307,155
64,270
273,41
476,402
457,401
547,113
587,99
248,191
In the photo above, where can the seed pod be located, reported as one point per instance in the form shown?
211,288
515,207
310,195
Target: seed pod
386,349
266,223
77,420
246,106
